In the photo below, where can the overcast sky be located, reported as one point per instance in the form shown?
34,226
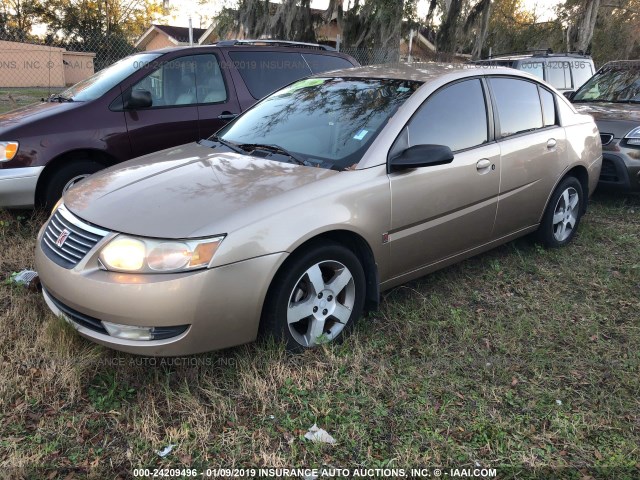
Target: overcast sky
184,8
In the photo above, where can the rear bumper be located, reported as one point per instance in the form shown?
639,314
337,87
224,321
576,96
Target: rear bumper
18,186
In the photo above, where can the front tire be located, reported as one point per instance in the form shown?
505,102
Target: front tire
562,216
67,176
316,298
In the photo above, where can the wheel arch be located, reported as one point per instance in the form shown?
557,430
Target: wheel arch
359,246
582,175
70,156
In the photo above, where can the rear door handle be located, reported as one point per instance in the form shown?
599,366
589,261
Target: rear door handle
227,116
483,165
551,143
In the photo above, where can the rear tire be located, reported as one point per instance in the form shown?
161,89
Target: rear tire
65,177
562,216
315,298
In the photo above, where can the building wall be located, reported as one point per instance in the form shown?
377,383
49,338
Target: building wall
328,32
159,41
77,66
29,65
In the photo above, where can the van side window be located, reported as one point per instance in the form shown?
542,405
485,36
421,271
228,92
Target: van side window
518,105
582,72
325,63
534,68
173,84
210,85
548,107
454,116
266,72
559,74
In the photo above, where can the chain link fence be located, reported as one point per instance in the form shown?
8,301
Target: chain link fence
32,69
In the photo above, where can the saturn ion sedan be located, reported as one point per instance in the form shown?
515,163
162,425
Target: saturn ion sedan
292,219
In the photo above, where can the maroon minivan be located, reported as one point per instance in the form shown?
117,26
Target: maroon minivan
144,103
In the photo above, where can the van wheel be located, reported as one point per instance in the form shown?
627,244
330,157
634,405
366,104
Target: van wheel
66,177
562,217
316,298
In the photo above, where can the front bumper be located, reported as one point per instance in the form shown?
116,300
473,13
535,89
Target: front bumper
620,167
18,186
221,306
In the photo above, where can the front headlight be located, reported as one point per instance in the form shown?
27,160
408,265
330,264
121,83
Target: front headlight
8,150
146,255
633,137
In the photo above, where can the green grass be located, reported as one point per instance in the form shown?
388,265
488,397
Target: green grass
522,359
12,98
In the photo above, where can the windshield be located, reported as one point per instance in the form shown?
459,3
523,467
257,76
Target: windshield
616,84
104,80
325,122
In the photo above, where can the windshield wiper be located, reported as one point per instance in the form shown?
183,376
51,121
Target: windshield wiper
60,98
227,144
275,149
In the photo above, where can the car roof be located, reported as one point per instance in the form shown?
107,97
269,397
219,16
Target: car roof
421,72
621,64
537,56
261,46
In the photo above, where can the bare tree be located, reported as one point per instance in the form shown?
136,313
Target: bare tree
378,23
446,41
479,16
583,16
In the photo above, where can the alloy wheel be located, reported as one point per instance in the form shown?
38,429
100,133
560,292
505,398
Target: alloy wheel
566,214
321,303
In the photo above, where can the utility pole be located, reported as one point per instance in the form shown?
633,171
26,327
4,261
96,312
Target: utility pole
411,33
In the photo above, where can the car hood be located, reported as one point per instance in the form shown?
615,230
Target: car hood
177,192
616,118
34,112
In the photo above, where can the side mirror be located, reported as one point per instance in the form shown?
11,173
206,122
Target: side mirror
569,95
136,99
421,156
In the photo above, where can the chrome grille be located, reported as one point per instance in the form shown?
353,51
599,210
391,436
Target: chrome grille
606,138
67,239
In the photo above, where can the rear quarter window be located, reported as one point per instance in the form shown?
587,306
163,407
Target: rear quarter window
266,72
548,107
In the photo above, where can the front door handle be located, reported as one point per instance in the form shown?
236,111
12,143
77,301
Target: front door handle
227,116
484,165
551,143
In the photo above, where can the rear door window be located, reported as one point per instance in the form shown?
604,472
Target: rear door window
518,105
325,63
454,116
266,72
